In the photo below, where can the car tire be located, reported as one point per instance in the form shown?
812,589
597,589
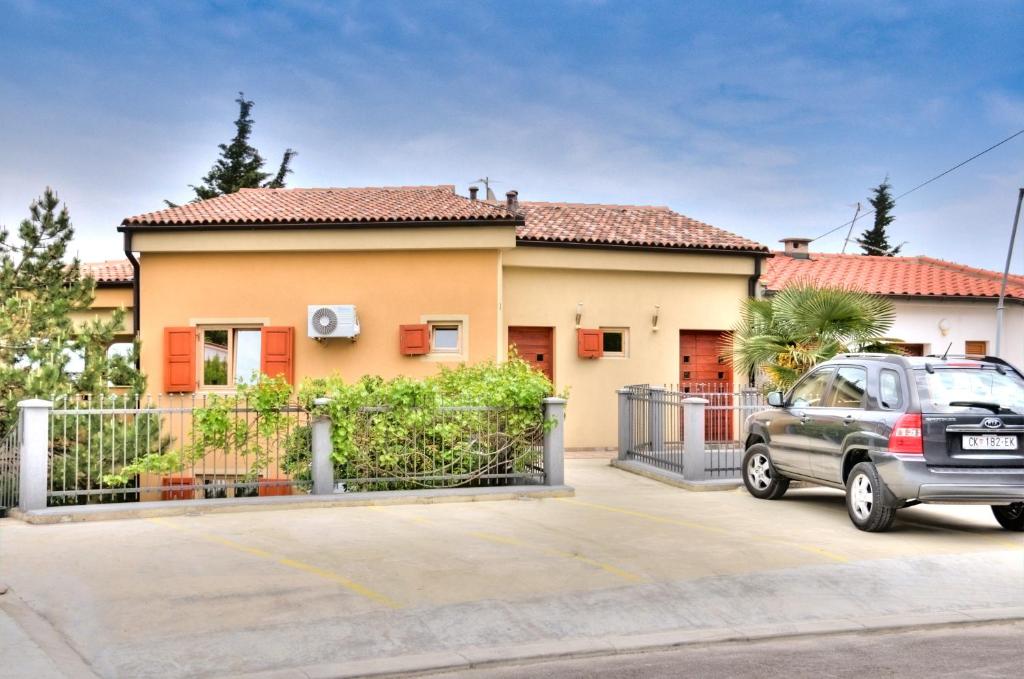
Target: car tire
1010,517
759,475
865,493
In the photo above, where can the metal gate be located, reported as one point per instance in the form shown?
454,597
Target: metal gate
10,463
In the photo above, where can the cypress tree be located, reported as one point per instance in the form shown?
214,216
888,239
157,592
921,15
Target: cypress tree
240,165
875,241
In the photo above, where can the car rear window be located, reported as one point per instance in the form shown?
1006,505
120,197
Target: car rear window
970,388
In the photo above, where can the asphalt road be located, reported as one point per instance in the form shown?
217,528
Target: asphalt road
989,651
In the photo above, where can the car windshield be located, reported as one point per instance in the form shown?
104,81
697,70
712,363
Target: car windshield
959,389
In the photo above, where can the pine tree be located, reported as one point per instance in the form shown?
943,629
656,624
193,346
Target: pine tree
39,292
240,165
875,241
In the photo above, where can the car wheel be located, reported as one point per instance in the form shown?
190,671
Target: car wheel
759,475
864,499
1010,517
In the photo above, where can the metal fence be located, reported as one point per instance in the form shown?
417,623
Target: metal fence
653,431
10,449
444,446
125,449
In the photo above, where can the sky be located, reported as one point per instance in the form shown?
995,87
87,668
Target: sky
765,119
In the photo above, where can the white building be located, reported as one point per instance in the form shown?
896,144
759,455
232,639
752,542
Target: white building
938,304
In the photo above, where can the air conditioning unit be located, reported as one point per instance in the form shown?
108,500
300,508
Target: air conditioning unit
324,321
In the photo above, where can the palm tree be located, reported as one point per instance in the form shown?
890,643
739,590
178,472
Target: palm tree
789,333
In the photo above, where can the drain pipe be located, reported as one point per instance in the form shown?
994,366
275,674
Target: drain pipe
1006,274
135,281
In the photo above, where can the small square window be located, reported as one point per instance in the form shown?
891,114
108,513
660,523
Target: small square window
446,338
231,356
615,342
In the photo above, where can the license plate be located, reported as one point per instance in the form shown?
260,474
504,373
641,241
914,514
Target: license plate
989,442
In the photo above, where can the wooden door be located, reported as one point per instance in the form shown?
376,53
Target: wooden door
703,371
536,346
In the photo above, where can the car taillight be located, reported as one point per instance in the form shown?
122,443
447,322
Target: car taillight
906,436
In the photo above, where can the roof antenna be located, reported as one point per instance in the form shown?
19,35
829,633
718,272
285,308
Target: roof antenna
487,181
946,352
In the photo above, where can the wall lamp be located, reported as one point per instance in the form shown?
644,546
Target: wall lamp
944,327
654,319
579,313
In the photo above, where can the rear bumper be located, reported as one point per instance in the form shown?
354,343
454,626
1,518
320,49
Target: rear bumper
912,479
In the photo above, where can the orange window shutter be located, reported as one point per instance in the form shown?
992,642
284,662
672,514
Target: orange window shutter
277,354
414,340
590,343
179,360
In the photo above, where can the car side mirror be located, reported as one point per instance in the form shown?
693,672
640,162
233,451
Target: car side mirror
776,399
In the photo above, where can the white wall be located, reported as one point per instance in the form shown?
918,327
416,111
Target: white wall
917,322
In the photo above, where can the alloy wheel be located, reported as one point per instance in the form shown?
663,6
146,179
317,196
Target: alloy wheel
862,497
759,469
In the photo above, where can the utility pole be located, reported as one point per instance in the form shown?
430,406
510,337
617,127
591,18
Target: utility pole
1006,274
853,222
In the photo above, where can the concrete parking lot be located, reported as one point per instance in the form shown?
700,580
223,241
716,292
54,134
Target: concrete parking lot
626,563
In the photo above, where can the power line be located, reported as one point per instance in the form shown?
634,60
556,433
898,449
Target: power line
922,184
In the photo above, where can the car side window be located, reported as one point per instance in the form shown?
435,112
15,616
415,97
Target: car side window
810,393
890,390
850,387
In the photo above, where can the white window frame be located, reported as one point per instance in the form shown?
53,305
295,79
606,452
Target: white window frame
231,328
625,343
460,321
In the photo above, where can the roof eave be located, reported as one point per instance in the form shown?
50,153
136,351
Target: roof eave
535,242
342,224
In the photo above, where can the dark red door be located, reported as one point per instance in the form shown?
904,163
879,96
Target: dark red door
536,346
704,371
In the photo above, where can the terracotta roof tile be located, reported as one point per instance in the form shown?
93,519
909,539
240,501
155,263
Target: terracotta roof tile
636,225
619,225
901,276
110,271
326,206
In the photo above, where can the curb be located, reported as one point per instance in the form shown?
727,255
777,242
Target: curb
675,479
145,510
569,649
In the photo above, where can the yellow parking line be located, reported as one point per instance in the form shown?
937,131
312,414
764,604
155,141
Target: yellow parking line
348,584
700,526
506,540
607,568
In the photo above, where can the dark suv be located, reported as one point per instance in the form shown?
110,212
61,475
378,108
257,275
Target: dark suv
895,431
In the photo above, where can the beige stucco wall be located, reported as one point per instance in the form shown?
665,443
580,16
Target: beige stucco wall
104,303
539,293
388,288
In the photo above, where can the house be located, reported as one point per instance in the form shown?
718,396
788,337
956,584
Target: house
595,296
938,304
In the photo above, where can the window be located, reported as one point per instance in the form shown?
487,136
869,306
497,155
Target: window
446,338
850,387
615,342
231,356
120,355
810,393
890,390
976,348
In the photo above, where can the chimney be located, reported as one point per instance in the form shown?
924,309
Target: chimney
797,248
472,192
512,200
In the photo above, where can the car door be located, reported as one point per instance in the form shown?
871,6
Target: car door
789,425
842,416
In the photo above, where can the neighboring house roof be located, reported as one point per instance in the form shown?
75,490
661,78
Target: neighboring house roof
327,206
554,223
895,276
624,225
110,272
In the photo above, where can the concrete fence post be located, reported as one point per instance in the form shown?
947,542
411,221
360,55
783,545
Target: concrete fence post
693,438
625,423
323,465
554,442
656,418
34,422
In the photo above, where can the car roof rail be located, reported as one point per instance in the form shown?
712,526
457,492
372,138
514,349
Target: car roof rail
867,354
